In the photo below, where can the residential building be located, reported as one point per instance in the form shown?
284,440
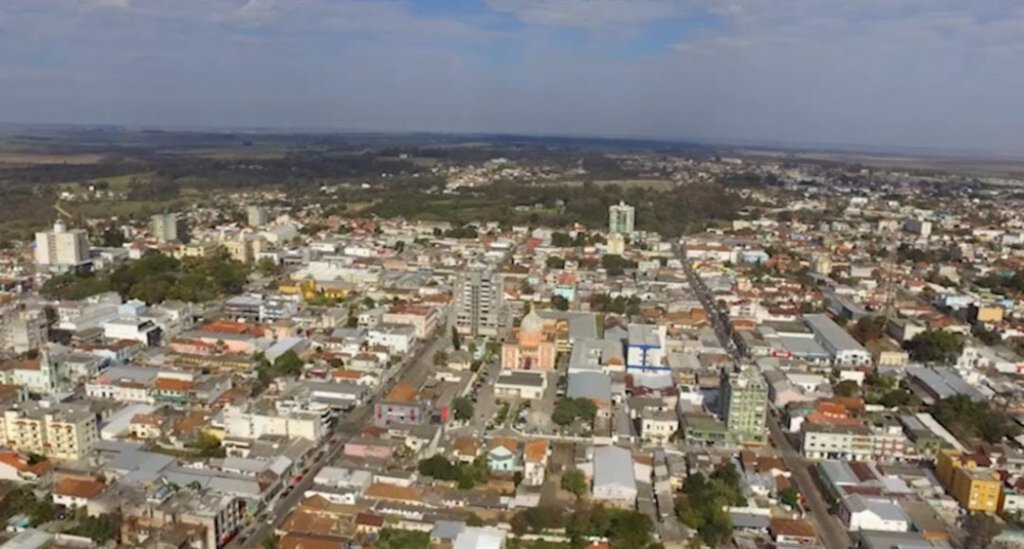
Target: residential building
61,248
621,218
22,329
744,404
256,216
169,227
61,431
479,309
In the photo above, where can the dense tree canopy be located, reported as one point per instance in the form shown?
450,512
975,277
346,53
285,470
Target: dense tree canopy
156,277
935,346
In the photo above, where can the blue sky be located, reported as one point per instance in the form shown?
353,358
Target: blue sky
943,74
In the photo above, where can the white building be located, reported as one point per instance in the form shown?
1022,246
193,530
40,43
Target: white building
250,425
61,248
256,216
169,227
614,482
621,218
21,329
841,346
398,338
861,513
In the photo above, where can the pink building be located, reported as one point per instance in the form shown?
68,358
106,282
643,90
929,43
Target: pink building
529,347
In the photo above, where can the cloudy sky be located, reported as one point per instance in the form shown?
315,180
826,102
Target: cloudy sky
915,73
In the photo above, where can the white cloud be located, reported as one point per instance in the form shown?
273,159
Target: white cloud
590,13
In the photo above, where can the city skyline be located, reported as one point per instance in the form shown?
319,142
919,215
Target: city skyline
937,75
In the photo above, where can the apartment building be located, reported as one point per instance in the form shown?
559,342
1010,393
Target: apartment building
61,248
60,431
621,218
744,404
480,304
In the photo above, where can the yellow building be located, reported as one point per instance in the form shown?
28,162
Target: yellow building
198,249
310,288
990,314
948,462
61,431
977,489
239,250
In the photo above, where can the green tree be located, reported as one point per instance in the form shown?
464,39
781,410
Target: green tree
981,530
100,529
560,303
847,388
288,364
456,339
555,262
267,267
790,496
463,408
935,346
391,538
575,482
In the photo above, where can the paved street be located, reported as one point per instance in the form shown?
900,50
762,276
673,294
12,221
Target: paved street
830,530
415,373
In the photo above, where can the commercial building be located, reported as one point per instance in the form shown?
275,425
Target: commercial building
621,218
855,442
61,248
169,227
744,404
614,481
645,352
843,348
480,304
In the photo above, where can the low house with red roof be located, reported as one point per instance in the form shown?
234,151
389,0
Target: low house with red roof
18,467
76,491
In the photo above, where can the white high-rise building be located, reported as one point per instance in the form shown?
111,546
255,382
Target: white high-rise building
61,247
479,310
169,228
621,218
257,216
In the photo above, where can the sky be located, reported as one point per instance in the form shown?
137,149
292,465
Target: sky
939,74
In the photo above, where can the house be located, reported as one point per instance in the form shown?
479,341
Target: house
19,468
614,482
76,492
465,449
792,532
658,426
502,455
535,462
861,513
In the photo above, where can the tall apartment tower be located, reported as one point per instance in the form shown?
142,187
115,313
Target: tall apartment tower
744,404
621,218
479,306
61,247
256,215
169,227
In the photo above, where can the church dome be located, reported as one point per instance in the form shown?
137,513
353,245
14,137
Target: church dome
531,323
